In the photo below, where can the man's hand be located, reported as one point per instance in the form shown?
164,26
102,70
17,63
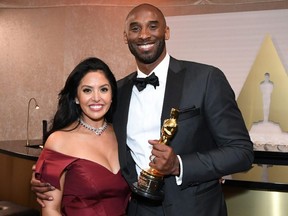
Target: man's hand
165,160
40,188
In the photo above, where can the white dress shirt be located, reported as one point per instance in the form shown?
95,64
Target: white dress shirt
144,118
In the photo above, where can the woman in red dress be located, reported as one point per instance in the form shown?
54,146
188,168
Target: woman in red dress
80,155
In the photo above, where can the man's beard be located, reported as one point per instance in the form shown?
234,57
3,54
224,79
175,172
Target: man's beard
149,57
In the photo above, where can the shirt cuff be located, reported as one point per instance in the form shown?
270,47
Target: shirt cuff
179,178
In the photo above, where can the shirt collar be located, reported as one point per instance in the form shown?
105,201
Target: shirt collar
161,70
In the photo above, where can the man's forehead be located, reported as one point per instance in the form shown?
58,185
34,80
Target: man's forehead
143,16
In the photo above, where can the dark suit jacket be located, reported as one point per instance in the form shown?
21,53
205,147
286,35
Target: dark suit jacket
211,139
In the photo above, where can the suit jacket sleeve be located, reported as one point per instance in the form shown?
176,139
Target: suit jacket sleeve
221,141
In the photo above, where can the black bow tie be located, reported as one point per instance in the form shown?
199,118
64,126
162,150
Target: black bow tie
141,83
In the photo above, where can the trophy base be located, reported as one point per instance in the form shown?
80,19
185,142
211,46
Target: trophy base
156,195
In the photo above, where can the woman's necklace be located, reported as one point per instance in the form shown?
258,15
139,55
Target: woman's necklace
97,131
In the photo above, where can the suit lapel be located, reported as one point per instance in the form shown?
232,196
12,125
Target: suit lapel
124,97
173,90
120,122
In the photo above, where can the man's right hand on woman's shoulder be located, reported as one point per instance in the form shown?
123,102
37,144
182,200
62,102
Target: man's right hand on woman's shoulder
39,188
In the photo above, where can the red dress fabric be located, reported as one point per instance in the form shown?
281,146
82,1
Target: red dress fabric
90,188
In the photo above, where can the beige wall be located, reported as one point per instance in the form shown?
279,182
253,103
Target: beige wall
41,42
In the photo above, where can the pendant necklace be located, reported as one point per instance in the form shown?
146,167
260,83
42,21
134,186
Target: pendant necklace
97,131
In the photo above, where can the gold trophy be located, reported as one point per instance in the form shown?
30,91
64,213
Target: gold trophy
150,181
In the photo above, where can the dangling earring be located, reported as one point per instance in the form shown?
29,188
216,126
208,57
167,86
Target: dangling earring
76,101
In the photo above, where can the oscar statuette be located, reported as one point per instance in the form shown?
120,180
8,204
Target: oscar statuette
150,181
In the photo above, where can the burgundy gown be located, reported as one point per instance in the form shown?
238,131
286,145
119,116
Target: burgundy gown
90,189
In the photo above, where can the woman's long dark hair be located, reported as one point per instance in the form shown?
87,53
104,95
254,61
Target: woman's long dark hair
68,111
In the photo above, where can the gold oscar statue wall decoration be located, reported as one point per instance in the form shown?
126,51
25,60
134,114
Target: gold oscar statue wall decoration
267,66
150,181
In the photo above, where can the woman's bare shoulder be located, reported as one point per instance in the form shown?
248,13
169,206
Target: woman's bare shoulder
56,140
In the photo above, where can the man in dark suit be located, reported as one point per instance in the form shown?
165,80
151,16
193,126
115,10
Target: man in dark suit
211,140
